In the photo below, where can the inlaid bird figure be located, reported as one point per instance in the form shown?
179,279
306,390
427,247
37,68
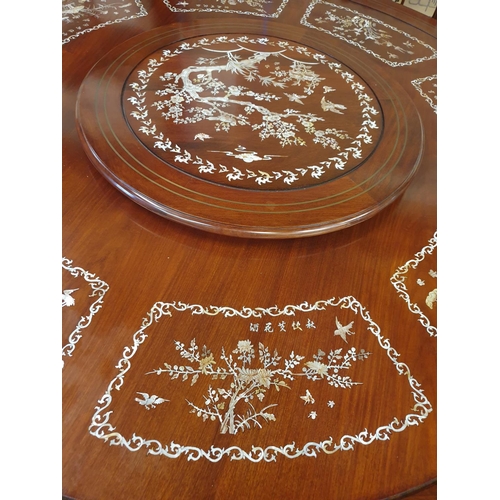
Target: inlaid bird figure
150,401
308,399
330,106
343,331
295,98
202,136
67,299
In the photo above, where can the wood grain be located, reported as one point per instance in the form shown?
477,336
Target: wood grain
144,282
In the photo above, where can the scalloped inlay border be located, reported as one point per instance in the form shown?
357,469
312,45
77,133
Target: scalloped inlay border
98,288
213,93
103,428
398,280
84,16
262,8
427,88
381,40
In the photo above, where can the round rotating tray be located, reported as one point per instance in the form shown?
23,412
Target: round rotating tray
231,130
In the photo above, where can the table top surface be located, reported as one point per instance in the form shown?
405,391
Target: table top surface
249,269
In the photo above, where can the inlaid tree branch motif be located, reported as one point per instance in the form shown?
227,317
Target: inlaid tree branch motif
367,29
317,369
236,407
263,8
107,426
374,36
84,16
199,93
85,8
284,94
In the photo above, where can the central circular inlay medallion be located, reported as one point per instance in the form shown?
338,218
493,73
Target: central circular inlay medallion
252,112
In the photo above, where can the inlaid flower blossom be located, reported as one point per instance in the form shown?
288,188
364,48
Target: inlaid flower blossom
234,406
206,362
245,346
264,88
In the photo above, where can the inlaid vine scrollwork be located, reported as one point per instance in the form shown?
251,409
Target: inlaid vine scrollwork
374,36
398,279
84,16
213,92
427,88
98,288
272,372
262,8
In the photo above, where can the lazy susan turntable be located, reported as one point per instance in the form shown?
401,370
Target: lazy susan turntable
231,130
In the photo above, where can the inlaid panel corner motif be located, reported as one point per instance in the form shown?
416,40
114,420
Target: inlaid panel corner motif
416,283
427,88
262,8
86,295
383,41
84,16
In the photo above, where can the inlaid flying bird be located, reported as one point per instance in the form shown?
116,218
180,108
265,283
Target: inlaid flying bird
330,106
67,299
343,331
149,401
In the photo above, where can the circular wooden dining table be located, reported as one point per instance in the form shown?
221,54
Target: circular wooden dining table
249,250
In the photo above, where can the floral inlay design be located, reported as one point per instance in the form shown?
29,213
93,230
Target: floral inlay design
383,41
252,100
421,300
250,384
431,298
83,16
95,288
263,8
427,88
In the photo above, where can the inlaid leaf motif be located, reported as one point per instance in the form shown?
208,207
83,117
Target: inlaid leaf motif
268,87
249,381
255,382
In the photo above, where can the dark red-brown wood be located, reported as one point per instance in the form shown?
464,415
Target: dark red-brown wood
307,187
122,259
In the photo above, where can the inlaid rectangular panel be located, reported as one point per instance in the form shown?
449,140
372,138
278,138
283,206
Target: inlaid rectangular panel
220,383
416,283
387,43
82,297
263,8
83,16
427,88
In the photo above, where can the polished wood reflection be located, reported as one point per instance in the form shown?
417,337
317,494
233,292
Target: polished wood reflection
208,355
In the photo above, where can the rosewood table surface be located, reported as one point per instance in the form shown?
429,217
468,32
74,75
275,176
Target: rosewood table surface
249,250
